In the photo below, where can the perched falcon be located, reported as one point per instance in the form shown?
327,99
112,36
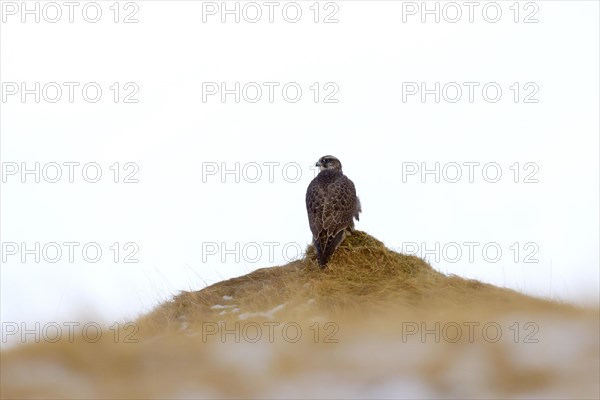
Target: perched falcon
331,204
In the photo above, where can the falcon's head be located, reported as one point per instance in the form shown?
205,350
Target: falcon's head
328,162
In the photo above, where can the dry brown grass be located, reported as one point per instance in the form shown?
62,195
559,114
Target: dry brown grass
364,304
362,275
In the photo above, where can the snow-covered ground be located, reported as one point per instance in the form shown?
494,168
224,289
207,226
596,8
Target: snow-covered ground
502,357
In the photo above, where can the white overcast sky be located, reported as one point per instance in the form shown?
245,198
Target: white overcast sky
366,72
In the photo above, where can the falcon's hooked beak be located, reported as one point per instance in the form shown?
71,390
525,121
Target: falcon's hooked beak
318,164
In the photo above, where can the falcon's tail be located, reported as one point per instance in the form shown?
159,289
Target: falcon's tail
326,246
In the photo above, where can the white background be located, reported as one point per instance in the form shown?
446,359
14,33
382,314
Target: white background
174,212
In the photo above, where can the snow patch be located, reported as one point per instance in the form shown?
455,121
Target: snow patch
221,306
269,314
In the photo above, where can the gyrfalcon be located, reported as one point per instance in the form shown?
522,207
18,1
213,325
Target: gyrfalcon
332,205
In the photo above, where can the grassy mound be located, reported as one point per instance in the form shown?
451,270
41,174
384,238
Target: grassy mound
362,276
373,324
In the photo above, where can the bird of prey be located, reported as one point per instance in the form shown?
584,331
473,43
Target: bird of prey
331,204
